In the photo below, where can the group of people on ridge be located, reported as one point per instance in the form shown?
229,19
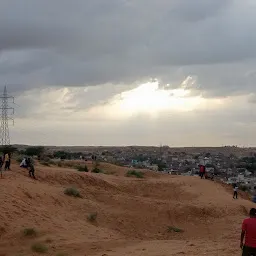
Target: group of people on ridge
248,233
5,161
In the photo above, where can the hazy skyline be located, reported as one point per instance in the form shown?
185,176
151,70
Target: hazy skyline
126,72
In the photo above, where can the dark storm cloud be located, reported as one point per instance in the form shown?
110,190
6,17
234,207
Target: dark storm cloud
61,42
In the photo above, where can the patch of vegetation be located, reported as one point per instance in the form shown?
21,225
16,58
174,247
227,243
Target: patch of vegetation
39,248
72,192
29,232
82,168
8,149
92,217
134,173
61,254
97,170
244,188
63,155
110,173
34,151
175,229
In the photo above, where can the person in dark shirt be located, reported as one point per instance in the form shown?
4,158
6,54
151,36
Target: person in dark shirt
31,168
1,162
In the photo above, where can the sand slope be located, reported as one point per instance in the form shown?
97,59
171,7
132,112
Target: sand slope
133,214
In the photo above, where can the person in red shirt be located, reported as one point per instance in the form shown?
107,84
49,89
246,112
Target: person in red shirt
249,233
201,171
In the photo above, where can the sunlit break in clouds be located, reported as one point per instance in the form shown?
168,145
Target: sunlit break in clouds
150,99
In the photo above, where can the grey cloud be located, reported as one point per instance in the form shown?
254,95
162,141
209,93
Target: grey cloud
191,12
65,43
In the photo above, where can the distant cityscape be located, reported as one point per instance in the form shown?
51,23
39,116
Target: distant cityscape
229,164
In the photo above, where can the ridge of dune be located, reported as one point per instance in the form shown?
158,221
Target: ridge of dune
133,214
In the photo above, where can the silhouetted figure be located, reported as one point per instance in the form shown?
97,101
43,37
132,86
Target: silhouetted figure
1,162
31,168
9,164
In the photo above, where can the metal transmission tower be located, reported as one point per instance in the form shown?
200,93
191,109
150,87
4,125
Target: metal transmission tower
5,117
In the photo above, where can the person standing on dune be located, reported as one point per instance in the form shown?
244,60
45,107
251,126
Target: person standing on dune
235,196
249,235
201,171
31,169
7,161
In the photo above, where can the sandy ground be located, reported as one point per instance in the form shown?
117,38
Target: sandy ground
133,214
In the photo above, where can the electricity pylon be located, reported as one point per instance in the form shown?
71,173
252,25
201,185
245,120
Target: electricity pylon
5,117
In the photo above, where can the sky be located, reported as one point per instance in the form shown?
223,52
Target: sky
130,72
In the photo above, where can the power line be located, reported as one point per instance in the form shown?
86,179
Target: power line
5,117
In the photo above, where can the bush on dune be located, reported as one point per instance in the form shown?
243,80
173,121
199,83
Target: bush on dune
134,173
82,168
72,192
61,254
97,170
29,232
175,229
39,248
92,217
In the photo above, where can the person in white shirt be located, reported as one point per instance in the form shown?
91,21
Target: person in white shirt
235,196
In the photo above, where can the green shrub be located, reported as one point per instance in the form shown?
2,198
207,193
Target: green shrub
82,168
174,229
135,173
72,192
97,170
110,173
243,188
29,232
39,248
92,216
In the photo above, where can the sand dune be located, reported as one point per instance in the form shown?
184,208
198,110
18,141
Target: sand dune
133,214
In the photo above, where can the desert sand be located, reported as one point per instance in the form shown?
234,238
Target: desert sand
133,215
